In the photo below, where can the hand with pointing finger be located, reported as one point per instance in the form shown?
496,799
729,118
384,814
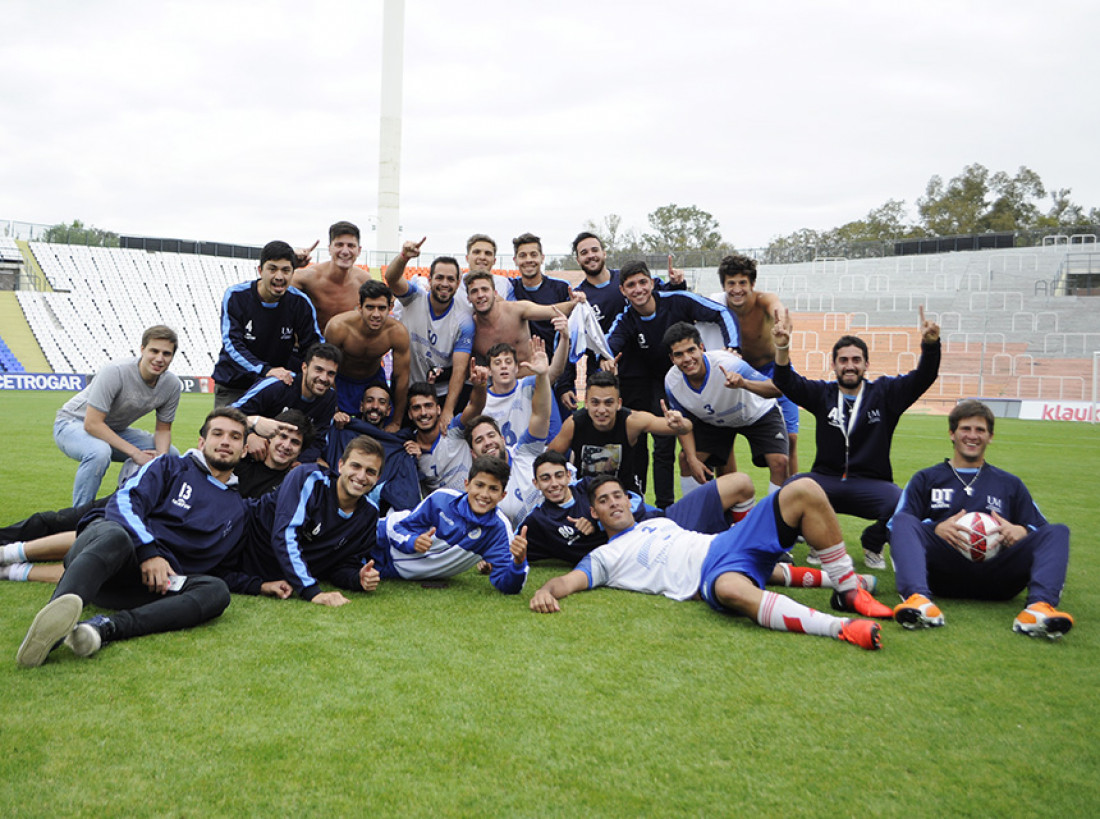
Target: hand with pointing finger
734,380
675,274
675,419
410,250
305,255
929,330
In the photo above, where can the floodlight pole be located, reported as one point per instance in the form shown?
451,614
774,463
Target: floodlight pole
389,143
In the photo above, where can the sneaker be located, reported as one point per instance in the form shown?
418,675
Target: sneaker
88,636
861,602
812,559
863,633
918,612
50,626
868,581
873,560
1042,620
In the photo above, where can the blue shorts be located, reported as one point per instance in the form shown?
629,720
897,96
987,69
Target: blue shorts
751,548
349,391
700,510
788,407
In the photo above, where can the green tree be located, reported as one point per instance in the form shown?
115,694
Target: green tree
681,228
79,234
955,207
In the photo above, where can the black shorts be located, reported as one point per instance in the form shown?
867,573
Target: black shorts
766,436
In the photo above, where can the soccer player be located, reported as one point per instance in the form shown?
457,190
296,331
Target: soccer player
450,532
534,285
602,438
856,419
34,545
264,322
93,426
333,286
637,335
497,320
756,313
928,547
365,336
324,527
723,397
151,554
310,392
728,570
442,455
441,331
510,399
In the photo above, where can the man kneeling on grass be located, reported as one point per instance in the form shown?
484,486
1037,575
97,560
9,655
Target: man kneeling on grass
153,553
449,532
727,570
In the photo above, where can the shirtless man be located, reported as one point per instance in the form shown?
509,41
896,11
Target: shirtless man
333,286
365,335
498,321
756,312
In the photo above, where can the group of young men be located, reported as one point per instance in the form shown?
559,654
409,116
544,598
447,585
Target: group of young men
479,412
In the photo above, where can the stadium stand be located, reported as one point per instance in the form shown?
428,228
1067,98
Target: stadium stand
9,250
8,362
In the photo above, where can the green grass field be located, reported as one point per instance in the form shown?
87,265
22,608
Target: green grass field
461,702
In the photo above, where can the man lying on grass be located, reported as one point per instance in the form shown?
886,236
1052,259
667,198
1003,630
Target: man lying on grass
561,526
449,532
727,570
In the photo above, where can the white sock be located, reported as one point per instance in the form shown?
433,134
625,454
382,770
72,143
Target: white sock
773,488
12,553
16,571
687,484
838,565
781,613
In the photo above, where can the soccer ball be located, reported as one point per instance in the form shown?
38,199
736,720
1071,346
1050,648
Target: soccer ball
983,534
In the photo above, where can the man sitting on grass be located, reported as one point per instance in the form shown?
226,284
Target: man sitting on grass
151,554
449,532
728,570
929,548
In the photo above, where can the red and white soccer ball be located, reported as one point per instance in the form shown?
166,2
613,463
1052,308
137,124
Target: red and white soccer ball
983,536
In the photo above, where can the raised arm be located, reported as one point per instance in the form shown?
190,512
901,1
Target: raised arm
539,425
395,270
781,335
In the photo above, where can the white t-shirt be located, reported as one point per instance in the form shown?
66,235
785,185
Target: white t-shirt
714,403
433,339
655,557
447,463
521,495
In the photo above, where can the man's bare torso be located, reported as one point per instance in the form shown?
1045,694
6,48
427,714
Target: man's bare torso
330,289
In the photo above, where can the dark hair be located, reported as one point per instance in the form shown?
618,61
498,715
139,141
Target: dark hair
497,467
500,348
342,229
600,480
232,413
736,265
298,419
366,445
438,260
480,237
585,234
851,341
277,251
526,239
634,268
603,378
422,388
549,456
374,289
468,433
161,332
969,409
322,349
681,331
479,274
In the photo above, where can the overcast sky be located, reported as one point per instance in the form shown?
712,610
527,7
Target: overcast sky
249,121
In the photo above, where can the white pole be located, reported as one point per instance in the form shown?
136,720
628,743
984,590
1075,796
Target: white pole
389,143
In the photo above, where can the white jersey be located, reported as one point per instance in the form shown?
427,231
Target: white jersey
512,410
521,495
433,339
447,463
714,403
654,556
